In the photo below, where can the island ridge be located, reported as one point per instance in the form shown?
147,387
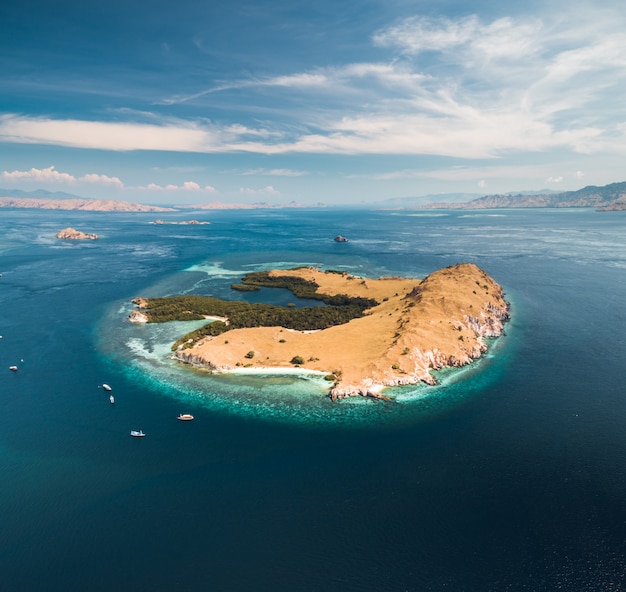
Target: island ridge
413,327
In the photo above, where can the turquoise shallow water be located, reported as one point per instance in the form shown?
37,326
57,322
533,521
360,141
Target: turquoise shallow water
507,476
299,398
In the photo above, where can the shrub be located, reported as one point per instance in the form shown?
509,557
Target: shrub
297,360
244,288
250,355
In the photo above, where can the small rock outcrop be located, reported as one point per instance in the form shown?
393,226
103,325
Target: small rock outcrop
137,317
73,234
341,239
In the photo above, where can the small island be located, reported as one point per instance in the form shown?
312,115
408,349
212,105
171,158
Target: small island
73,234
368,334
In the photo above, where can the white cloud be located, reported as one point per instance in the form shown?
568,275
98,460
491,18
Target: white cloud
186,186
191,186
464,88
269,190
103,135
44,175
558,179
275,172
102,179
305,80
50,174
417,34
284,173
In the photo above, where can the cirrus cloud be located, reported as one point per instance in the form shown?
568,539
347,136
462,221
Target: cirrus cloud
464,88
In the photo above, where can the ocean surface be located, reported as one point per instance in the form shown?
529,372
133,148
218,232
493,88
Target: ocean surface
510,475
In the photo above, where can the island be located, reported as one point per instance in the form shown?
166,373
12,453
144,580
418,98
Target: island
367,333
73,234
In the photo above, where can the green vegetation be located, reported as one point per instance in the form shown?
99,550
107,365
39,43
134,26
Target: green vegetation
244,288
302,288
339,309
297,360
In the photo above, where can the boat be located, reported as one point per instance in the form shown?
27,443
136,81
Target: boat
185,417
112,399
13,368
106,387
341,239
137,433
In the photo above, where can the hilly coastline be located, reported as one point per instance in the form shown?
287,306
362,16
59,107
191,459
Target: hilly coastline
78,204
606,198
47,200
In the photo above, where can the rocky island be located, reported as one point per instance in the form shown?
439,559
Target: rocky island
73,234
371,333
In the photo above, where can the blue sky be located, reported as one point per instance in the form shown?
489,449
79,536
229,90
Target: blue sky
333,101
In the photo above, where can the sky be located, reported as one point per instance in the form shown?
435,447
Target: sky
334,102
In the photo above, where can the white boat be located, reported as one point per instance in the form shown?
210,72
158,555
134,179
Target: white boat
13,368
112,399
137,433
185,417
106,387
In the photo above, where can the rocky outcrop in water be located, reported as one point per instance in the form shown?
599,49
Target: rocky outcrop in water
137,317
73,234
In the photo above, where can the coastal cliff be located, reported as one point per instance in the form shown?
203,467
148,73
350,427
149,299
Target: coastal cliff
417,327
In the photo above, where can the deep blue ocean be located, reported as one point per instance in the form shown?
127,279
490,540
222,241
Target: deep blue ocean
510,475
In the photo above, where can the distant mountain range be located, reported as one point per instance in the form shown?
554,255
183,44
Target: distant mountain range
606,198
46,200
